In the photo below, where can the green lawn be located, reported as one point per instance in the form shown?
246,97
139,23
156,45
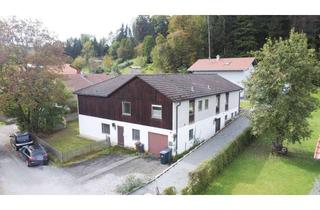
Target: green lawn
245,104
256,171
68,139
2,123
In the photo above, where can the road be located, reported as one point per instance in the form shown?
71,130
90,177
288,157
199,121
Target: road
178,175
17,178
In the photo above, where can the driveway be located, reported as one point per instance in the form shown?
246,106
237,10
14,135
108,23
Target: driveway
17,178
177,175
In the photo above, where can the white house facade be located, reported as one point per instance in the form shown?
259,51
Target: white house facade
158,111
236,70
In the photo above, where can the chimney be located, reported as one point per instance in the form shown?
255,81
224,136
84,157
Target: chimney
218,57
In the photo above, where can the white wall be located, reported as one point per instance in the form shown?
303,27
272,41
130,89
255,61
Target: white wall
237,77
204,124
90,127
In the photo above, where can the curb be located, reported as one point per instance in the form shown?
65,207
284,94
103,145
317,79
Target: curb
106,169
183,157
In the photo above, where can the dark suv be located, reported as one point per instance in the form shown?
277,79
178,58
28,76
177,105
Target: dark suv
18,140
34,155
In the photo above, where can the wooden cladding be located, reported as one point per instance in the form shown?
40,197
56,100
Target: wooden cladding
141,97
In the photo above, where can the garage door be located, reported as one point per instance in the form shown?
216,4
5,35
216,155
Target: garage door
157,142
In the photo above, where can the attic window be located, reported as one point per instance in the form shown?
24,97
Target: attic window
126,108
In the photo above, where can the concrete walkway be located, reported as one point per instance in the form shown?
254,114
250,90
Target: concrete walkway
177,175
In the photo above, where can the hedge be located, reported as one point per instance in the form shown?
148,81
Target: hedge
200,179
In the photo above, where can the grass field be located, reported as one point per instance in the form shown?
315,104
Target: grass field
245,104
256,171
68,139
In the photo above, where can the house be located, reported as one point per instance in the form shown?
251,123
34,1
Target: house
75,80
237,70
159,111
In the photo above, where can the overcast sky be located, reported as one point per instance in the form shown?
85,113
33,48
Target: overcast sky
70,18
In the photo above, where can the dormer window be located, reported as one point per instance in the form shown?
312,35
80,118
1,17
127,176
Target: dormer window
126,108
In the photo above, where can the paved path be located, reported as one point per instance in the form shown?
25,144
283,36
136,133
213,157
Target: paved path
98,176
316,188
178,175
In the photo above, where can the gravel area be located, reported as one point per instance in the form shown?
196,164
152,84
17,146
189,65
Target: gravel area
17,178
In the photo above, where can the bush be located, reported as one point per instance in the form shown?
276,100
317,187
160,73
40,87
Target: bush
200,179
129,184
140,61
170,191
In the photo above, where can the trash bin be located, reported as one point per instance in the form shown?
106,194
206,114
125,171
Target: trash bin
166,156
141,148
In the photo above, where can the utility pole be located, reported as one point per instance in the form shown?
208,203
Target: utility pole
209,47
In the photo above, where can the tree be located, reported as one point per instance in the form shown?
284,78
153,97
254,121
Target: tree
79,62
245,36
160,24
162,55
148,44
142,27
87,51
280,89
30,90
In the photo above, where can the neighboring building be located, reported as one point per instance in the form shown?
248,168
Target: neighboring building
237,70
75,80
142,108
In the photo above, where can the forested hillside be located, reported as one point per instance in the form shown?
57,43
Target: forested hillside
173,43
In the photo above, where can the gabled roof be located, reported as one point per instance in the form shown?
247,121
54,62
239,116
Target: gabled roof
223,64
78,81
176,87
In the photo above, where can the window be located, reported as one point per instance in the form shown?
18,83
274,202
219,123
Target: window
126,108
191,111
156,111
135,134
206,104
227,102
218,104
226,117
190,134
231,115
105,128
199,105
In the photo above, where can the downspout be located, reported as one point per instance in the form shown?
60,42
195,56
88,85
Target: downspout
239,104
177,106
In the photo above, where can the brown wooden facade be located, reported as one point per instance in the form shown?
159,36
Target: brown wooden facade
141,96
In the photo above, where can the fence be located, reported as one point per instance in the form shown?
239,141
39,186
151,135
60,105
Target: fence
71,154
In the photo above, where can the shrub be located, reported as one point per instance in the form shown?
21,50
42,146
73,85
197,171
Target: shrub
140,61
170,191
200,179
130,183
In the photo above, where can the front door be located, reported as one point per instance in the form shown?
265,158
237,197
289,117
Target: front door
120,136
217,121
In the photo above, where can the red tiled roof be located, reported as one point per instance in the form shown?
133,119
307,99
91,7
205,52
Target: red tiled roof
78,81
222,64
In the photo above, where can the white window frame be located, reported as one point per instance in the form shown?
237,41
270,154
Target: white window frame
102,128
133,135
152,113
192,134
200,102
123,109
205,102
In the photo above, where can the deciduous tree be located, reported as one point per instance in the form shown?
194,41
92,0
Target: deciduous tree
281,89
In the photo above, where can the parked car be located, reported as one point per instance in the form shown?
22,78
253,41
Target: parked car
18,140
34,155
